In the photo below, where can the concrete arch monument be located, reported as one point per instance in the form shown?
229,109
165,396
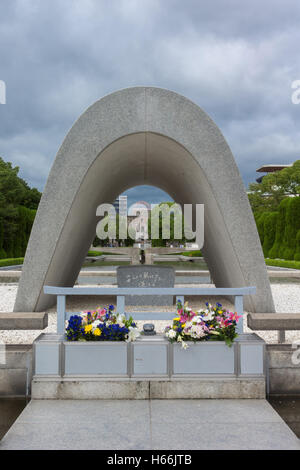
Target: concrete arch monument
142,135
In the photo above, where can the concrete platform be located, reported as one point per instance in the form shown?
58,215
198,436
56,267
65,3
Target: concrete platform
68,388
149,424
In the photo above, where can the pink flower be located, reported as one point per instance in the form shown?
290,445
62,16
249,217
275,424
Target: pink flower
234,316
101,313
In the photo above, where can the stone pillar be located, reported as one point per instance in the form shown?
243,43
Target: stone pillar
135,256
149,258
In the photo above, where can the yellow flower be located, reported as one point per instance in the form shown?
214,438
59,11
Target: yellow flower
97,332
88,328
220,311
176,319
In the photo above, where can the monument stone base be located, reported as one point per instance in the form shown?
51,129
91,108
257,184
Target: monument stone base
150,367
89,388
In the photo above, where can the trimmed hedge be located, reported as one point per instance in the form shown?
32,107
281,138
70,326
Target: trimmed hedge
292,225
278,231
282,263
275,251
297,251
269,226
259,219
10,261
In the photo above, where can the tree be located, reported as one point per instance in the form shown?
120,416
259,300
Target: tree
267,195
115,228
15,222
172,222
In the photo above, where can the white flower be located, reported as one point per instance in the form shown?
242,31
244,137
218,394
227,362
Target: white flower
171,334
133,334
95,324
207,315
184,345
197,319
197,331
120,319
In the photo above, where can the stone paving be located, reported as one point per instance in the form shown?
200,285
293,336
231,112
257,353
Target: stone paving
150,424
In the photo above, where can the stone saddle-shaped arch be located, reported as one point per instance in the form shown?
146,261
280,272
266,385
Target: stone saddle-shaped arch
135,136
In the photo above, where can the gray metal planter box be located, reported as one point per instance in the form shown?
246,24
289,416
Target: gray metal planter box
55,356
148,357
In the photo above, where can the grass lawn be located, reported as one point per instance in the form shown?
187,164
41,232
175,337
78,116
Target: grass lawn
196,253
184,265
105,263
99,253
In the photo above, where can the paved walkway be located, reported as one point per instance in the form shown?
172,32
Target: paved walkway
156,424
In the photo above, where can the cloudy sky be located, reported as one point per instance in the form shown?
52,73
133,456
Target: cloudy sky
236,59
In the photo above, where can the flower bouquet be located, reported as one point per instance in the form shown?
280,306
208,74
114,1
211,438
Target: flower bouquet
102,324
211,324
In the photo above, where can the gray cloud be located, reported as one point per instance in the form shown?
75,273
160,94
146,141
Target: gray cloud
236,60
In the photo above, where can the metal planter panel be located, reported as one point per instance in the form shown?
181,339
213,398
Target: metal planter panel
252,359
47,358
204,358
150,359
101,358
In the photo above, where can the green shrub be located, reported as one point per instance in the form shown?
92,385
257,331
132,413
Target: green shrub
14,243
270,220
283,263
11,261
259,219
278,231
297,252
292,225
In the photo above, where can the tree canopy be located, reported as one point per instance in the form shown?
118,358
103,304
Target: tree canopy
18,203
267,195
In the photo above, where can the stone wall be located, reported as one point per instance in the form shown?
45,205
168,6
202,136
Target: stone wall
15,374
284,376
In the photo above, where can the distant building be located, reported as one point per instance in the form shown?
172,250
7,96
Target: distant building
121,201
270,168
139,221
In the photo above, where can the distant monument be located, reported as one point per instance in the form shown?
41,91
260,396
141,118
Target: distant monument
146,276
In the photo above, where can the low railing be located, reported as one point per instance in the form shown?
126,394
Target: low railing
61,293
280,322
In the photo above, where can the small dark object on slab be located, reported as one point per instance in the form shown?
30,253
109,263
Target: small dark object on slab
149,329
